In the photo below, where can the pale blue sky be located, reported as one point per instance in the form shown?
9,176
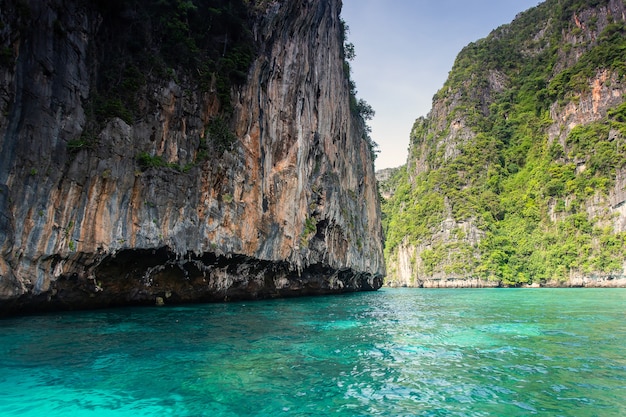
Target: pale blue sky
404,51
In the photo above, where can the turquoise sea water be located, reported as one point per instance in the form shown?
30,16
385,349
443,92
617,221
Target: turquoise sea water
409,352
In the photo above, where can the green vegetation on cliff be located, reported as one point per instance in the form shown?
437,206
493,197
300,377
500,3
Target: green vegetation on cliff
523,147
360,108
207,41
204,44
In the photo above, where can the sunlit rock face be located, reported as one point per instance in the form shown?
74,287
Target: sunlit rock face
288,208
438,140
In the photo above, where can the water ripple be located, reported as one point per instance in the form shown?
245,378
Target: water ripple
390,353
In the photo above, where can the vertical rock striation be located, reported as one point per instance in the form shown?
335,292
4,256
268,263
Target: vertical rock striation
288,207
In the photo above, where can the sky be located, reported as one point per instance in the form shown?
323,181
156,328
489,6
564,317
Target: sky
404,52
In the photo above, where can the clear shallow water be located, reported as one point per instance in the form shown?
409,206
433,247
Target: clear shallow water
551,352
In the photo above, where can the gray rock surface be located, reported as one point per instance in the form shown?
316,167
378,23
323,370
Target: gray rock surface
290,208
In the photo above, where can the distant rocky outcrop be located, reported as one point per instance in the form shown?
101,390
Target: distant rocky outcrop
385,185
180,184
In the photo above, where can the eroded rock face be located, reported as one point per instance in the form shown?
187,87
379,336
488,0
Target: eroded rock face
289,208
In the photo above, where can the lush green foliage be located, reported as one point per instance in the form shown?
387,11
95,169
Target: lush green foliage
529,195
609,53
206,41
147,161
206,44
414,211
220,134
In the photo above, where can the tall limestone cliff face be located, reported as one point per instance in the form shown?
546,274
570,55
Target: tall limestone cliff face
516,177
182,201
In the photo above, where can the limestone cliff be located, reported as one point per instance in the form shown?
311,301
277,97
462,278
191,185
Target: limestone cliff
265,191
516,177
